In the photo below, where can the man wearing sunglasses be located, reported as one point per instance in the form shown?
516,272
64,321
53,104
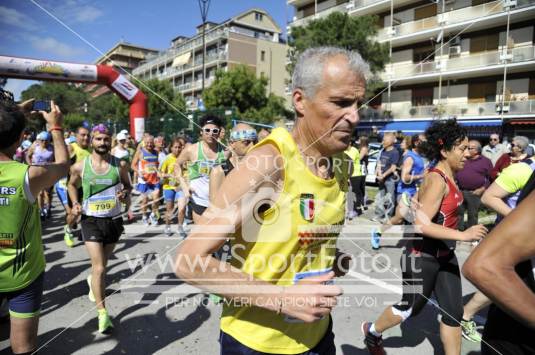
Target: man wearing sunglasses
494,150
201,158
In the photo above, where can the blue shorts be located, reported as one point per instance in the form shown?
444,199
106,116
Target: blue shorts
25,303
146,188
62,194
172,195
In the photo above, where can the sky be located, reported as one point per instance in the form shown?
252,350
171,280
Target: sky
28,31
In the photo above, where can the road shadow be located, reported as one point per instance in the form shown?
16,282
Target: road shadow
138,334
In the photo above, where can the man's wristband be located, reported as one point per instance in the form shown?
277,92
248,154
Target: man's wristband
55,128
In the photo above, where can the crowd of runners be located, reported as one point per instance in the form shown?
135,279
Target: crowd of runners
283,193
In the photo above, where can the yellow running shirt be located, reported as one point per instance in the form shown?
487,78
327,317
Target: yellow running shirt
296,239
354,154
168,167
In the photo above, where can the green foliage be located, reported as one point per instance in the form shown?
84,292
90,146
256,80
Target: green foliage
341,30
68,97
108,107
274,109
73,120
240,89
173,116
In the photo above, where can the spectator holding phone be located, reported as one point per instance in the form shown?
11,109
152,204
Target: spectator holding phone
21,253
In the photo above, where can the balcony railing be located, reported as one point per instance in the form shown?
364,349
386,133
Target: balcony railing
173,71
168,55
320,14
490,58
448,18
399,110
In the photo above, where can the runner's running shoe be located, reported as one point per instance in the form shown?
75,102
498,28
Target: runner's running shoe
182,232
375,239
145,220
168,230
90,294
69,237
153,219
373,343
105,325
469,331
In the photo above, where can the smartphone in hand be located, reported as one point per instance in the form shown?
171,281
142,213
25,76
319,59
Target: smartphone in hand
41,105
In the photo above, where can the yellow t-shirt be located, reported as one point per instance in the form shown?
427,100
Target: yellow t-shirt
354,154
514,177
168,167
294,238
79,152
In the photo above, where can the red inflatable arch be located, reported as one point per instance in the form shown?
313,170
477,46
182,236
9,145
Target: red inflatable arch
35,69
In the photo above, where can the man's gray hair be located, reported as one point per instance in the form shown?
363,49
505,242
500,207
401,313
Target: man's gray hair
307,74
521,141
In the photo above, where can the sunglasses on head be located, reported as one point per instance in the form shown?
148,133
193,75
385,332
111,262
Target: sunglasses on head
211,130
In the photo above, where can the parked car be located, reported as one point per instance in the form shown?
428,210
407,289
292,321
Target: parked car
373,155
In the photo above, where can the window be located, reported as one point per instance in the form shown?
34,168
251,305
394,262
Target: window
482,92
258,16
426,53
263,56
487,42
422,96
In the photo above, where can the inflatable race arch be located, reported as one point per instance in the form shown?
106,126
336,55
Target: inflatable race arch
35,69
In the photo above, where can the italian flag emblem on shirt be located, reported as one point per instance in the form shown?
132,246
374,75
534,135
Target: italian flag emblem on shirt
306,206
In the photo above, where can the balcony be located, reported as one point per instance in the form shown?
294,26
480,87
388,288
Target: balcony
459,110
368,7
450,21
320,14
174,71
163,57
487,61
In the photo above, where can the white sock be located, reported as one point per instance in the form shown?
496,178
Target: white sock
373,331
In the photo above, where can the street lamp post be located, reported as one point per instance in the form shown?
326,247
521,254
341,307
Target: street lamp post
204,6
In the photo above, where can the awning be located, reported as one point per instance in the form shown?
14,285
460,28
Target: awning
482,128
367,125
522,122
408,127
481,123
181,60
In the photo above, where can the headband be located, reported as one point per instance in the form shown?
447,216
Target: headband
100,128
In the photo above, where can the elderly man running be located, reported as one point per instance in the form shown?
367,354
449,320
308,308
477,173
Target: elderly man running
288,201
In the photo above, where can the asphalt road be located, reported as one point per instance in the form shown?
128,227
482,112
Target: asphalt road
153,312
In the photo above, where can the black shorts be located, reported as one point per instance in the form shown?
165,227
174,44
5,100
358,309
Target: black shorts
505,335
105,230
198,209
231,346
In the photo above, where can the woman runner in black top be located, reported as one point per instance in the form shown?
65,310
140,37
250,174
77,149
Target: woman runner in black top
430,257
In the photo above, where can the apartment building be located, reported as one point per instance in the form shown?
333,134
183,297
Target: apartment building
450,58
123,55
252,38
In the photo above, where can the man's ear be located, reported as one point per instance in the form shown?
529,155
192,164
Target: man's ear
298,99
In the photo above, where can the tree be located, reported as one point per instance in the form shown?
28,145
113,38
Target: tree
68,97
341,30
239,88
158,92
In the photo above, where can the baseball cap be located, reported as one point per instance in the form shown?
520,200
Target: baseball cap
121,136
43,136
125,132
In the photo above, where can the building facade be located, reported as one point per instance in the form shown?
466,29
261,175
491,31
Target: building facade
123,56
449,58
251,38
